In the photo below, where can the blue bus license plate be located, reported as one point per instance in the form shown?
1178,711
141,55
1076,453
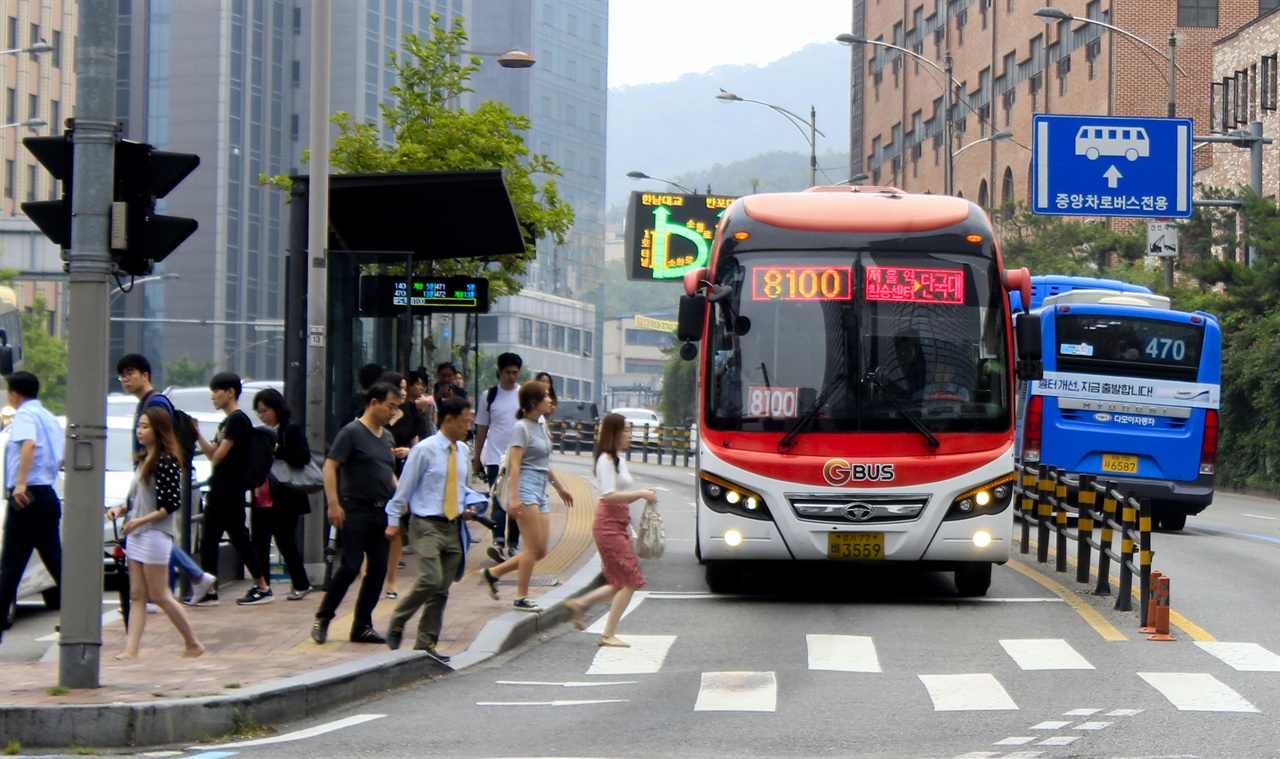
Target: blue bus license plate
1119,463
855,545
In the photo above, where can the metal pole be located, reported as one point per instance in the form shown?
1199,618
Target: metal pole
949,127
318,374
89,264
813,147
1173,67
1255,178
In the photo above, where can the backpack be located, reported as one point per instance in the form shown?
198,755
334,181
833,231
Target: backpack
262,454
184,427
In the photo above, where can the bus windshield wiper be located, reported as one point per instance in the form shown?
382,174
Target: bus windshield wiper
789,439
915,420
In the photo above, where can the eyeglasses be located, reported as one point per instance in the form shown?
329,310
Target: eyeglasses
261,411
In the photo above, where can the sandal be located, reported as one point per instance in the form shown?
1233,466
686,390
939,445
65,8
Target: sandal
391,594
612,641
576,613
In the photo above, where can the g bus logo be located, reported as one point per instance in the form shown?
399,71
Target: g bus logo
840,472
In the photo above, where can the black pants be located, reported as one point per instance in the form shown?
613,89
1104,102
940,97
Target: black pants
279,522
224,512
364,534
28,528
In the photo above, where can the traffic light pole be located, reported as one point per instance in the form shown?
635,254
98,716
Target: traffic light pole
89,265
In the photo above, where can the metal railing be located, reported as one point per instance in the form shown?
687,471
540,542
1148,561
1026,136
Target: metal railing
1119,531
675,446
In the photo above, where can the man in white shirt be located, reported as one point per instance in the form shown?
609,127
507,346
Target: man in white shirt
495,421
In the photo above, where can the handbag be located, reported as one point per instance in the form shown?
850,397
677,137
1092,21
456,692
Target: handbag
651,538
262,496
304,479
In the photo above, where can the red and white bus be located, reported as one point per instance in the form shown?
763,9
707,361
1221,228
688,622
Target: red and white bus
856,392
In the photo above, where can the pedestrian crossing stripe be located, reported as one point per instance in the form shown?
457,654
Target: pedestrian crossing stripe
1197,692
1041,654
977,692
842,653
737,692
645,656
1243,657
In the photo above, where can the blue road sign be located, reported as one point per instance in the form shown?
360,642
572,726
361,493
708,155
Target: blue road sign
1111,166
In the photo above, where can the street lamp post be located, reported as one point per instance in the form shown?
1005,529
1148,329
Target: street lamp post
1000,136
638,175
115,292
1057,14
29,123
948,83
797,121
39,47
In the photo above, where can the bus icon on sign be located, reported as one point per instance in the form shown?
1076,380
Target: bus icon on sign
1095,141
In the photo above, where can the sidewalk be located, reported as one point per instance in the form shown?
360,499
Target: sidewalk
261,666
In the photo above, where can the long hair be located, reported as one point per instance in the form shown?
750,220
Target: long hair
531,394
607,440
165,442
272,399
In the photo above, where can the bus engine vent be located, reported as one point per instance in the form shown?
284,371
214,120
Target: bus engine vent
854,508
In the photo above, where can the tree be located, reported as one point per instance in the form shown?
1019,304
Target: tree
184,372
679,399
45,356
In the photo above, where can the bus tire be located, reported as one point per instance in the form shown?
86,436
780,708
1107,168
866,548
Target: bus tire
1172,520
723,577
973,579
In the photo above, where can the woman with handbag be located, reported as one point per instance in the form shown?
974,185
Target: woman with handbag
279,520
613,518
156,495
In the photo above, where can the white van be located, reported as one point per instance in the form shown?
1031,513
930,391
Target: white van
1095,141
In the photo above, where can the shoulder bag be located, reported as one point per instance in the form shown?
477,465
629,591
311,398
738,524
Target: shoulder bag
303,479
651,538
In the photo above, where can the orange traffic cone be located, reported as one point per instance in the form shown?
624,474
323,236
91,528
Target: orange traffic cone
1162,612
1151,604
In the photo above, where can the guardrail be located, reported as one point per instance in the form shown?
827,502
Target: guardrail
676,445
1048,502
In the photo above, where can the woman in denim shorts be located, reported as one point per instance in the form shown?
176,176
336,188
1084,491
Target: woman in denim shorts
528,472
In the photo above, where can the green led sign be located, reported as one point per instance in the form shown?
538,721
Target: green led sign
387,295
670,234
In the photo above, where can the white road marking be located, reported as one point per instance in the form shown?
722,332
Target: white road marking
551,703
1014,741
985,600
1122,712
842,653
1244,657
958,693
1093,725
737,692
1024,755
645,656
1197,692
1259,516
570,684
597,627
1044,653
682,595
1050,725
1081,712
299,735
1059,740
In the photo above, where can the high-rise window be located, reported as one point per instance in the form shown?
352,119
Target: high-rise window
12,39
9,168
1202,13
10,106
55,57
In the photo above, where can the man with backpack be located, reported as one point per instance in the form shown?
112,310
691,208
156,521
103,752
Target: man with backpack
134,372
232,454
495,421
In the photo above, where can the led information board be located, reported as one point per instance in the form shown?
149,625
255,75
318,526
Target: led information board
670,234
915,285
801,283
387,295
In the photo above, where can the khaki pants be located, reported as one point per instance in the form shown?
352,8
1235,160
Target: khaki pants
437,547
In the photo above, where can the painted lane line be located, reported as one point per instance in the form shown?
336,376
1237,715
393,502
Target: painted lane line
1244,657
1259,516
1081,712
552,703
299,735
842,653
1050,725
1024,755
978,755
1197,692
645,656
570,684
1092,616
958,693
1014,741
211,755
1122,712
738,692
1044,653
1238,533
597,627
1059,740
1093,726
684,595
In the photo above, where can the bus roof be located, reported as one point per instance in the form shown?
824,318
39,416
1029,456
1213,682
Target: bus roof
1108,298
1047,285
856,211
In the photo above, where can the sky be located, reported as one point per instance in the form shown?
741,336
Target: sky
660,40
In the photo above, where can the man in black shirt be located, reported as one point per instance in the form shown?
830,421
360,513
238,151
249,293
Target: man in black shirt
225,503
359,479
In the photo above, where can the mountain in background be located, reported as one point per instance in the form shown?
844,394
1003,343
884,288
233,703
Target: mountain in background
678,129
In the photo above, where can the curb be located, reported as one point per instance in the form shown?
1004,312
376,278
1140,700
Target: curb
191,720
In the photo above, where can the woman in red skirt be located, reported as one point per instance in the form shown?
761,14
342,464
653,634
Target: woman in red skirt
613,517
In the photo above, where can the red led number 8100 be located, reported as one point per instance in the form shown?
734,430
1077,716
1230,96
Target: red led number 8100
800,283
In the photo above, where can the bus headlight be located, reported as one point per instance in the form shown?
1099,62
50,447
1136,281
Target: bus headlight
982,539
990,498
726,497
732,538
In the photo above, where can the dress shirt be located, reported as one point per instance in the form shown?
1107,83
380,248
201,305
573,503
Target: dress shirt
32,421
421,488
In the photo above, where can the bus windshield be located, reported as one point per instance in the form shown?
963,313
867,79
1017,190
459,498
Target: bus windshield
850,329
1126,346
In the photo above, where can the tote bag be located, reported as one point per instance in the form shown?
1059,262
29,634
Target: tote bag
303,479
651,538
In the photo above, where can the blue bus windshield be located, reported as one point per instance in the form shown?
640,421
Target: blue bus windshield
1128,346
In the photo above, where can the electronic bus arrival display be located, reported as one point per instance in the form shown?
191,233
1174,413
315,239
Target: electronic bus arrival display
801,283
916,285
669,234
388,295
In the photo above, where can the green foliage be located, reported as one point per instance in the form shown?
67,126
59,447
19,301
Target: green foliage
184,372
679,397
7,275
45,356
432,134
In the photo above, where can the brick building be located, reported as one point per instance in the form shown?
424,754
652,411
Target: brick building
1244,89
1010,64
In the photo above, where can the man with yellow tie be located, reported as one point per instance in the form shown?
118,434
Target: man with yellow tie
433,490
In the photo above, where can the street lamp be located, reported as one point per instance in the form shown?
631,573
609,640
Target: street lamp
797,121
512,59
29,123
638,175
115,292
948,83
39,47
1000,136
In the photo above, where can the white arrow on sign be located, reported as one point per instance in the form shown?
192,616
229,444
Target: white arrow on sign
1113,176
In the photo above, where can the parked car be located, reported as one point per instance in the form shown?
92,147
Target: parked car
575,424
645,424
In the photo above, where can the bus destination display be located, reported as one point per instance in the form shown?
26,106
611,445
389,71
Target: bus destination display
669,234
895,283
388,295
801,283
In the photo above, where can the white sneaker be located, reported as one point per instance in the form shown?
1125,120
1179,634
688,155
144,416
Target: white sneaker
199,590
153,609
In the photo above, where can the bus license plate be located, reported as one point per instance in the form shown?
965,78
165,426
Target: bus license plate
1119,463
855,545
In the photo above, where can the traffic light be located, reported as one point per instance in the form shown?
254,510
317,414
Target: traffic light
140,237
53,217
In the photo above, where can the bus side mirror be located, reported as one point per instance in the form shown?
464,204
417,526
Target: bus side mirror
693,312
1026,335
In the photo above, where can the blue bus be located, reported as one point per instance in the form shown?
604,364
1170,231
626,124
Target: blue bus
1130,392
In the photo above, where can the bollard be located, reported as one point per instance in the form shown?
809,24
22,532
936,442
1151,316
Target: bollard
1151,606
1161,623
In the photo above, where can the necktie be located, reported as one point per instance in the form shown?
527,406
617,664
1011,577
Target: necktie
451,485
